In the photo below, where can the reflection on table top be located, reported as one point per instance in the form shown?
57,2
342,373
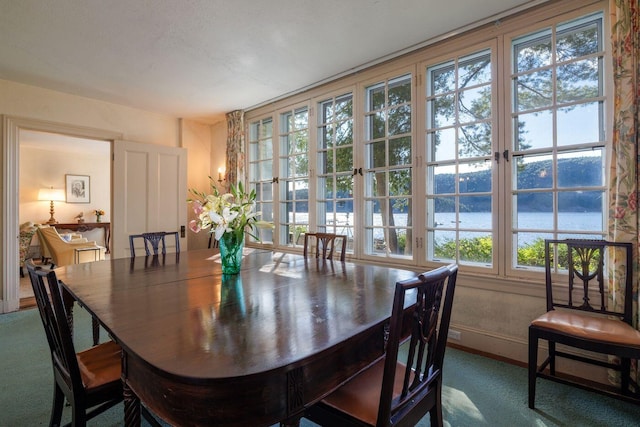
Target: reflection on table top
181,315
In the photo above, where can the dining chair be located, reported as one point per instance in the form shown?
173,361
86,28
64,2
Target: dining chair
402,386
154,239
89,380
324,245
213,243
573,319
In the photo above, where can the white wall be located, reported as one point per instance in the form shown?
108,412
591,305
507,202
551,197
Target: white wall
33,103
45,168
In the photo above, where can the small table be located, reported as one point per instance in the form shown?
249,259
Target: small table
96,253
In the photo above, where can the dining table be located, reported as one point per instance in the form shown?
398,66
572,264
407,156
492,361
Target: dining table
253,349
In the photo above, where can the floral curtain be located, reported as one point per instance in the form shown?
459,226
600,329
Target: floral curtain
235,147
625,163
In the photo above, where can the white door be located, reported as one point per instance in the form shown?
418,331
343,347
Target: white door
149,193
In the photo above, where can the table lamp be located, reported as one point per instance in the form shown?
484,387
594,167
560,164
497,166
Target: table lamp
53,195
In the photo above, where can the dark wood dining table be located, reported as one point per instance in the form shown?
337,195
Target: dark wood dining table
253,349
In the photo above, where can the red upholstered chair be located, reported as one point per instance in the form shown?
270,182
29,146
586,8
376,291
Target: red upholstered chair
397,390
573,319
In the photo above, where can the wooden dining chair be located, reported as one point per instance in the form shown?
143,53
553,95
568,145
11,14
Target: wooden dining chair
324,245
153,240
90,380
574,320
399,390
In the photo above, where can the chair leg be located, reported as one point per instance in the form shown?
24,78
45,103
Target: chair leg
625,374
95,328
58,404
435,414
552,357
21,272
533,367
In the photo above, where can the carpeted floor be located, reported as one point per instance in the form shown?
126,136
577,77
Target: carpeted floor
477,391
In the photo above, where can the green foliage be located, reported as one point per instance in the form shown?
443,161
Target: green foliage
479,249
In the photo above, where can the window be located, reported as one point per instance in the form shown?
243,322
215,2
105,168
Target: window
335,168
465,151
261,171
558,143
294,176
388,168
459,138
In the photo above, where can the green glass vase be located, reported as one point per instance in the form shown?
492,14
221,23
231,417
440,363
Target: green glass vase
231,246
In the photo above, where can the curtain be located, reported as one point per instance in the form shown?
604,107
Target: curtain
624,164
235,148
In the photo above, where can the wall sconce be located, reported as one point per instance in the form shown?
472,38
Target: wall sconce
53,195
221,176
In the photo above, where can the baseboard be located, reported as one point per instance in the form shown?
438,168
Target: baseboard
516,352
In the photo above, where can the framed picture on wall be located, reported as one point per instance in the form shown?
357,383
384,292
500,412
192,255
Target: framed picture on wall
78,189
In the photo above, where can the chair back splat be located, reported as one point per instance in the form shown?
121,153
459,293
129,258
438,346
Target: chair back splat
89,380
153,239
325,244
579,314
398,390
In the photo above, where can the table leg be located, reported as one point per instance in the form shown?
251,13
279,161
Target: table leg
131,406
131,401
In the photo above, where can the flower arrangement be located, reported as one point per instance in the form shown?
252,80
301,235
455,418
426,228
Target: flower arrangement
229,213
98,212
228,216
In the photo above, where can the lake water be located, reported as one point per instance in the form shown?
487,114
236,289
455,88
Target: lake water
530,221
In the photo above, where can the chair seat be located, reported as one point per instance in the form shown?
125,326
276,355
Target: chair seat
360,396
100,365
584,326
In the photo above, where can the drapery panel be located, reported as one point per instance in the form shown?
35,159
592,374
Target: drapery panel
235,148
624,225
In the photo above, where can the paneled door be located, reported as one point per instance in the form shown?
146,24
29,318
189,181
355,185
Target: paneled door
149,192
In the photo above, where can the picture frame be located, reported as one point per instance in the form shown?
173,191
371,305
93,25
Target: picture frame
78,188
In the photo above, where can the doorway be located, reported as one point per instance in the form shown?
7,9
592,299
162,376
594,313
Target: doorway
12,129
52,160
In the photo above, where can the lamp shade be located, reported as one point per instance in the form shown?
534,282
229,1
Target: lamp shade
51,194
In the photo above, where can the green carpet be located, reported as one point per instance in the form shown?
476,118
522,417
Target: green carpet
477,391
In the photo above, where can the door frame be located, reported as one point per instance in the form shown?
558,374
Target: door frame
9,233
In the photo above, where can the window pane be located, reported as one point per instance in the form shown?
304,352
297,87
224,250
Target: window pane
581,169
533,172
400,90
534,211
576,41
442,79
533,52
442,145
443,111
474,104
533,130
475,140
344,159
400,120
533,90
399,151
579,80
344,133
475,71
580,124
580,210
400,182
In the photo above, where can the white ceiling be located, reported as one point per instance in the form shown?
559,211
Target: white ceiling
199,59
